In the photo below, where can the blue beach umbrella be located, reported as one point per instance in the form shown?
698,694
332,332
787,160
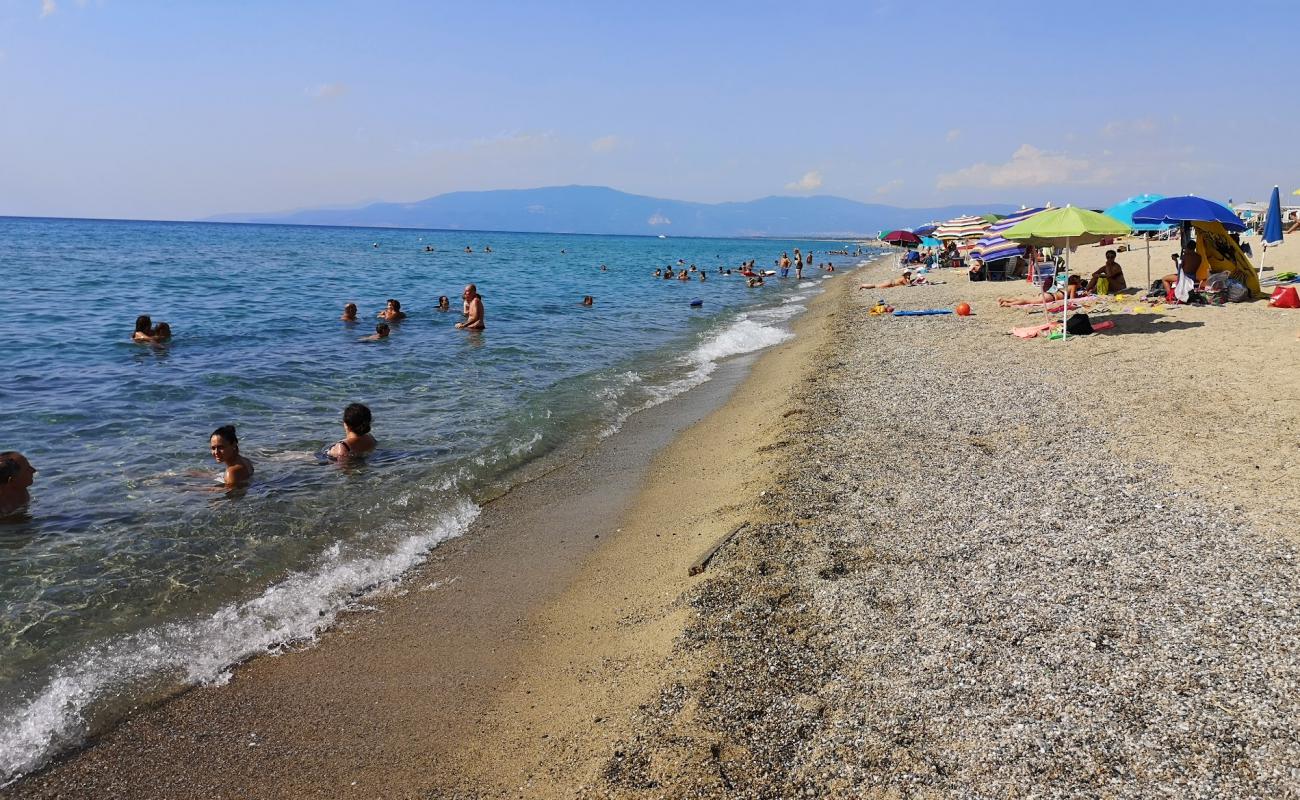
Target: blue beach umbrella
1187,208
1272,226
925,230
1124,211
1273,219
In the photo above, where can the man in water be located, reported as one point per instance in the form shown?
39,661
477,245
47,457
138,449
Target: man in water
16,476
381,332
474,320
393,313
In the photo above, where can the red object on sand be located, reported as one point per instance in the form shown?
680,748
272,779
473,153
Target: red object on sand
1104,325
963,309
1284,297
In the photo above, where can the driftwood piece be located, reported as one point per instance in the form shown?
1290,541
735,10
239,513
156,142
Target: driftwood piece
702,563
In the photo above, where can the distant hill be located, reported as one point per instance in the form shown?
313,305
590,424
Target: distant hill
597,209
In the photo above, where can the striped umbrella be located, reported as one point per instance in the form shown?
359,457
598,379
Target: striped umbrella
967,227
993,247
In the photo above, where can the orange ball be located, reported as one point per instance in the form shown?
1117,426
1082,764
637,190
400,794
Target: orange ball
963,309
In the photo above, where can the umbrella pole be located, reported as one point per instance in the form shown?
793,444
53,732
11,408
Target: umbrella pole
1148,238
1065,309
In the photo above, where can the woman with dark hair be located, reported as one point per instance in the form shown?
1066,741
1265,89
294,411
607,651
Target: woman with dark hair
143,329
357,440
444,303
224,445
16,474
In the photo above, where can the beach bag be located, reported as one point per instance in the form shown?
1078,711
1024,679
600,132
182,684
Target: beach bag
1078,325
1284,297
1237,291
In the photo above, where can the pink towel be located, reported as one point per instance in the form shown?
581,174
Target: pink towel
1030,331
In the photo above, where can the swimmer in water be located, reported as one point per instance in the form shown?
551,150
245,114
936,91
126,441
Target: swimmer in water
683,276
428,249
604,268
162,333
393,312
704,276
468,249
588,300
755,281
16,477
225,451
143,329
474,317
443,303
357,440
487,249
659,273
349,313
381,332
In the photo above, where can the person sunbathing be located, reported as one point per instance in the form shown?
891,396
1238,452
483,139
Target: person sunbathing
902,280
1048,294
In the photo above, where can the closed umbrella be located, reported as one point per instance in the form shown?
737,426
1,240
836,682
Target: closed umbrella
1069,226
1272,226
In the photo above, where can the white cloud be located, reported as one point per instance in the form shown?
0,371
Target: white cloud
1028,166
810,180
659,219
328,91
48,7
890,186
605,144
953,135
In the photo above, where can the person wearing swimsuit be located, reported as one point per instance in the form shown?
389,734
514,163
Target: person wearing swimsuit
224,445
357,440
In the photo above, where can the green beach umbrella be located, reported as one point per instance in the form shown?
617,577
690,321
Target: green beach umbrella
1066,227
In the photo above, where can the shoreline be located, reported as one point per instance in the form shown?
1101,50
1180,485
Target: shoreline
525,545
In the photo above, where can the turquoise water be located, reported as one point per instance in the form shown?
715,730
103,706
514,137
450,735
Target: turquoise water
131,573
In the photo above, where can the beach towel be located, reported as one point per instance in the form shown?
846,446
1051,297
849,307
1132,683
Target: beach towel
1184,287
1030,331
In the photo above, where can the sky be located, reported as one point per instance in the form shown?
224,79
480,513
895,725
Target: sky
181,110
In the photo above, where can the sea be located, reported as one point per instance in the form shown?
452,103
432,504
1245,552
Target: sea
131,574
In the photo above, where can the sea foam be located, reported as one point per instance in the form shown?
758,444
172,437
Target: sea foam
202,651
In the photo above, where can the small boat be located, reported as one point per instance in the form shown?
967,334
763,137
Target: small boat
661,236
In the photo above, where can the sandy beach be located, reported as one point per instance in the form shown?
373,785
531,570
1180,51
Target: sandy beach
959,564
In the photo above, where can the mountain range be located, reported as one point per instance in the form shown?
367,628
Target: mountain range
601,210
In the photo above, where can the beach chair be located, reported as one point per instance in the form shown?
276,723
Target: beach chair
1042,271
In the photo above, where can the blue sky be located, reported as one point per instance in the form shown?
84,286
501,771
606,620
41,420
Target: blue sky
180,110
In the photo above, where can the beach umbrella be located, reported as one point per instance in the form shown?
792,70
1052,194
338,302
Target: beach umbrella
1272,226
1187,208
993,246
966,227
1124,211
1069,226
925,230
930,241
902,238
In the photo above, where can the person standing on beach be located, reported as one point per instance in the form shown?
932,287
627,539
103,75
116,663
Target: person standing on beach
474,317
16,477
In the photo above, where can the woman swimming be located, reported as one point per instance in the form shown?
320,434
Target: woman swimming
143,329
444,304
224,445
357,440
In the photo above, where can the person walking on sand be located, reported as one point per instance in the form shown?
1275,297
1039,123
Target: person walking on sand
224,445
16,477
474,317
